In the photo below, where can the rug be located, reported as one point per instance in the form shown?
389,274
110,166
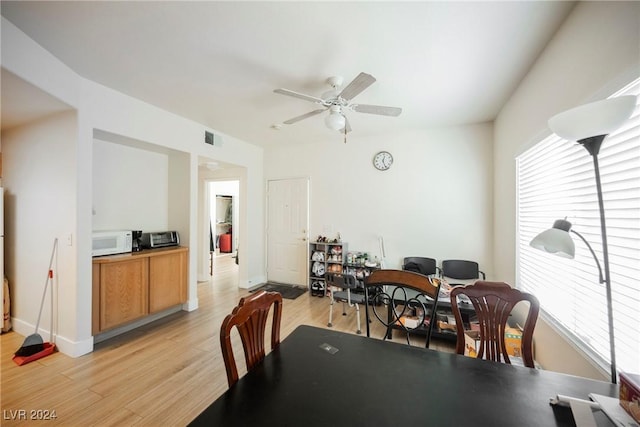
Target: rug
287,291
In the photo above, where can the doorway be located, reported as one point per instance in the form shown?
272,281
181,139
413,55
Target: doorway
223,221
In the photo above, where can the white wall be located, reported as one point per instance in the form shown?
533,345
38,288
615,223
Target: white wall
39,177
130,188
102,110
595,52
435,201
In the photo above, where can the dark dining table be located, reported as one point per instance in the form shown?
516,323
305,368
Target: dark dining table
320,377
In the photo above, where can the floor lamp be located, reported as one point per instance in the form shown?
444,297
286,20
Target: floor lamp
589,125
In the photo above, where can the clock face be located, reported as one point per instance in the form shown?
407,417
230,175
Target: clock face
382,160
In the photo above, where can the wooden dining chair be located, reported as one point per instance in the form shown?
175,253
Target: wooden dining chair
401,299
250,319
493,302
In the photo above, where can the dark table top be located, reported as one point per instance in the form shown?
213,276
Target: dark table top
369,382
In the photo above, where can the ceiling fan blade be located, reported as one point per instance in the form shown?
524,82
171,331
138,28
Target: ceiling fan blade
304,116
360,83
299,95
377,109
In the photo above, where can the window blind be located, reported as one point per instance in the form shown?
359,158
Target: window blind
555,179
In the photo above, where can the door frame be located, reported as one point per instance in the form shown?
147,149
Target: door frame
205,212
268,224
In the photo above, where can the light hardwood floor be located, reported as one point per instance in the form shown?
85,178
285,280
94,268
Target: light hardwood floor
163,374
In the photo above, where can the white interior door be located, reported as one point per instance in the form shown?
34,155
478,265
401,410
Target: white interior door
287,230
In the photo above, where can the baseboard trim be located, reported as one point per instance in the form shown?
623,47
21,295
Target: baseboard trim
65,345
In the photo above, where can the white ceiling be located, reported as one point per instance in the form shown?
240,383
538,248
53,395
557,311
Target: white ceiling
217,63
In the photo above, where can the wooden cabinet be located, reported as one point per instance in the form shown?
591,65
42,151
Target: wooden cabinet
127,287
124,292
167,280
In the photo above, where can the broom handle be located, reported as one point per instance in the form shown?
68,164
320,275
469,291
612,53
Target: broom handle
54,288
46,283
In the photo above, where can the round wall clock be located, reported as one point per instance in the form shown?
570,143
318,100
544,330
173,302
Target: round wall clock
382,160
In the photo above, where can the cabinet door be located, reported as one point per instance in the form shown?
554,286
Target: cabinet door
124,288
167,280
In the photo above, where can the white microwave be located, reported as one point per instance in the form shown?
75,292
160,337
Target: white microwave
111,242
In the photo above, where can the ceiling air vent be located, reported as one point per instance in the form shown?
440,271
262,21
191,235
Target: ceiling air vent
211,139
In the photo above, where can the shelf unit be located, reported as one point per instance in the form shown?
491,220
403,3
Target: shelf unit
324,257
360,271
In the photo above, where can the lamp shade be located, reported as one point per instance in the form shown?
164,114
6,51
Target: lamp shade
556,240
335,120
594,119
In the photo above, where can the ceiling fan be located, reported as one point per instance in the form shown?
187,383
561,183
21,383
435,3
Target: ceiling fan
339,101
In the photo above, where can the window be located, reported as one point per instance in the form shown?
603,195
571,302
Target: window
556,180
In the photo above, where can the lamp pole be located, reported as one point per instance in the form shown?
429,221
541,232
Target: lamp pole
592,145
589,125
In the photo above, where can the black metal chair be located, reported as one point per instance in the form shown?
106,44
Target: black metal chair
402,300
422,265
347,283
461,270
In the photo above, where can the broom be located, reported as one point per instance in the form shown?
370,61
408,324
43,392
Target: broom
34,343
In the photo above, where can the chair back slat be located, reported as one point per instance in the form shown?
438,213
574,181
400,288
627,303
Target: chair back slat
493,303
250,319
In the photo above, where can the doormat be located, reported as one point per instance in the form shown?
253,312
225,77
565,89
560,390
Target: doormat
287,291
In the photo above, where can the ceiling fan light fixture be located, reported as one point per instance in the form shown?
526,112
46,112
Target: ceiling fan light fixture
335,120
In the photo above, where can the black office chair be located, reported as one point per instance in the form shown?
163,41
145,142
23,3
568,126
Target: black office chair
461,270
402,300
422,265
347,283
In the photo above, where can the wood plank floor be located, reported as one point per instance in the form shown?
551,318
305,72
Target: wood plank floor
164,373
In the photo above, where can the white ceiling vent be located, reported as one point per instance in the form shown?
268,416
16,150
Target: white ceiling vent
212,139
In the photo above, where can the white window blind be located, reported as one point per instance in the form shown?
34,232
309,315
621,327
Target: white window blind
556,180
